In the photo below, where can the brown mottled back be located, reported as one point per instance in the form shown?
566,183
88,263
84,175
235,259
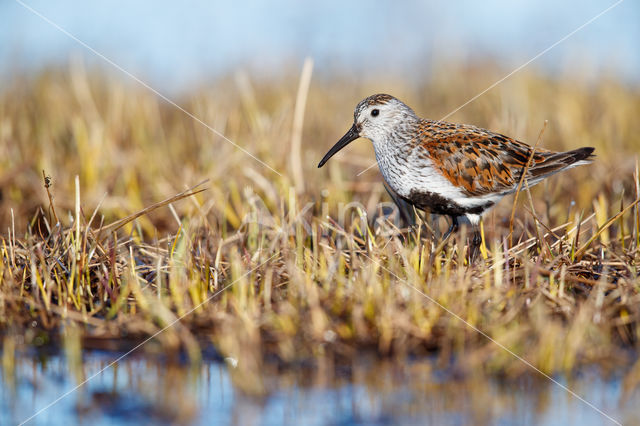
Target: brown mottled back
482,162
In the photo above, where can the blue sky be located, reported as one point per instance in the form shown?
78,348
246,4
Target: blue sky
178,43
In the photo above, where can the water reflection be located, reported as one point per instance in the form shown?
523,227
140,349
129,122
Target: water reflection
143,390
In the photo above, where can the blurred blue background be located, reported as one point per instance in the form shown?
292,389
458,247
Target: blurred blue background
180,44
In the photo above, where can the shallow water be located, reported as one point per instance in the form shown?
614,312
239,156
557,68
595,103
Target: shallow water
145,390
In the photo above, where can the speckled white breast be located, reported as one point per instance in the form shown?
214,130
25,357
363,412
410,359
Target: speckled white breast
412,173
405,174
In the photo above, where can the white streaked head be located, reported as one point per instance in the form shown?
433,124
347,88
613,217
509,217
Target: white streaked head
380,118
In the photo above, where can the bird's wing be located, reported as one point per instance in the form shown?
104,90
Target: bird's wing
482,162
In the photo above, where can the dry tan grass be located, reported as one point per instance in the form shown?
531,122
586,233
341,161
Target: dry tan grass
312,283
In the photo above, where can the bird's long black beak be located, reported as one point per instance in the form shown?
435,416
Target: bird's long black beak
349,137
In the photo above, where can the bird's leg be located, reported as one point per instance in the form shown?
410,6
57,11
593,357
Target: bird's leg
407,218
474,248
477,239
453,228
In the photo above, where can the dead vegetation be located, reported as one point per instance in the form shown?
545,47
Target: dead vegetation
265,267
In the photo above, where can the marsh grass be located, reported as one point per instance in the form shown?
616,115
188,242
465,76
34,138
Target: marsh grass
266,268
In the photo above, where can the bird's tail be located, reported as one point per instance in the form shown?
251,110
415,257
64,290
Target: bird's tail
580,155
561,161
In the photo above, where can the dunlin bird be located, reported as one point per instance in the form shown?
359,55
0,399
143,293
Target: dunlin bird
449,169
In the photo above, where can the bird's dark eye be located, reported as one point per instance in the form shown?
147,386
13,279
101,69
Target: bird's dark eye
375,112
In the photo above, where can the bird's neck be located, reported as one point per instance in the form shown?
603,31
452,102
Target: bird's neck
393,150
398,137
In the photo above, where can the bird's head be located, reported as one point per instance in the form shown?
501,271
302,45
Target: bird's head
375,118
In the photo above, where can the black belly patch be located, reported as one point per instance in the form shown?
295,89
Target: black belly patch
425,200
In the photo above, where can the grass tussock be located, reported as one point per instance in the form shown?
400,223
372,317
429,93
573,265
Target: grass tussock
263,266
